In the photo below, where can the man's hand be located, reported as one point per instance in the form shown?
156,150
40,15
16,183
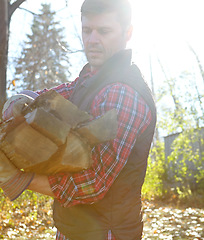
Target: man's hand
15,104
12,180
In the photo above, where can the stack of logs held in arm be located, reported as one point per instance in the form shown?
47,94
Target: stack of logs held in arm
53,136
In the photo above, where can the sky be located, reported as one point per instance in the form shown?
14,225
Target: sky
163,31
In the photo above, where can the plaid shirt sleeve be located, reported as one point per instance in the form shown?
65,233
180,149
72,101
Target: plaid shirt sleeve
64,89
109,158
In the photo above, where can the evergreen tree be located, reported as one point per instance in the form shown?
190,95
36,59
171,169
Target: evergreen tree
44,62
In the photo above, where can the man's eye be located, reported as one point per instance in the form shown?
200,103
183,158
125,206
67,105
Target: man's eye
86,31
104,31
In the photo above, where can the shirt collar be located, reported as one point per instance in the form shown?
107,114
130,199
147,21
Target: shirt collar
121,58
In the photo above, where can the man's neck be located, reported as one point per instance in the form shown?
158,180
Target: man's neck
94,69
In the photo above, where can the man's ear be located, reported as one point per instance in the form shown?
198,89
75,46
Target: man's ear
129,32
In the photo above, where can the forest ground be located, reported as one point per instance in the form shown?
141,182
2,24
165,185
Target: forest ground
161,221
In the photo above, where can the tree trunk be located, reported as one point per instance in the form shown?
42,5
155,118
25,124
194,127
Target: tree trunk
3,50
6,12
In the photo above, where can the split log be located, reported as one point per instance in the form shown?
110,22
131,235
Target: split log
9,125
73,156
60,107
5,169
77,153
100,130
48,125
25,147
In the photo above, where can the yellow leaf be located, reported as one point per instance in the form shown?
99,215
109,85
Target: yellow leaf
41,229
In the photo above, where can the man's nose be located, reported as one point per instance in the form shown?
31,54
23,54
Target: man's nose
94,37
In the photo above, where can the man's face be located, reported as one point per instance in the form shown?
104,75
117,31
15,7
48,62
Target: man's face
102,36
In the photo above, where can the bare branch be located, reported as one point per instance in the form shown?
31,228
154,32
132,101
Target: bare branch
198,61
28,11
68,50
13,7
77,35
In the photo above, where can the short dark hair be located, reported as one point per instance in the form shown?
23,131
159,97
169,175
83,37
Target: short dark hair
121,7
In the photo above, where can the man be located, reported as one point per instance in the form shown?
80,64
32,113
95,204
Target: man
104,201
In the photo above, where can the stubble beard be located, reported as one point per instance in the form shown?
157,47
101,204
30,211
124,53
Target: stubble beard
96,59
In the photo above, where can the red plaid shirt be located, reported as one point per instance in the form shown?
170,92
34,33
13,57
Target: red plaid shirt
108,158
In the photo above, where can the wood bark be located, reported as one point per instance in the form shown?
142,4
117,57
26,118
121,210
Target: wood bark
3,50
6,12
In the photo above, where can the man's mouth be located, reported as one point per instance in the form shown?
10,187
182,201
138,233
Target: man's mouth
94,53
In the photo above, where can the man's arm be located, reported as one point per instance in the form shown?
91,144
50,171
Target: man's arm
110,157
12,180
41,184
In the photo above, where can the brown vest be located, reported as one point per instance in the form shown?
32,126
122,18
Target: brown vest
120,209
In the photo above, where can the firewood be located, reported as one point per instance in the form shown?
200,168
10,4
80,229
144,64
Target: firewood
100,130
73,156
48,125
49,166
25,147
60,107
54,136
77,153
9,125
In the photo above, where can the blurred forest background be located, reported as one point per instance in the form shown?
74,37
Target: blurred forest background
175,173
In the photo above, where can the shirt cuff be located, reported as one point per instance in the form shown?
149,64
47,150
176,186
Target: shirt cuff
16,185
